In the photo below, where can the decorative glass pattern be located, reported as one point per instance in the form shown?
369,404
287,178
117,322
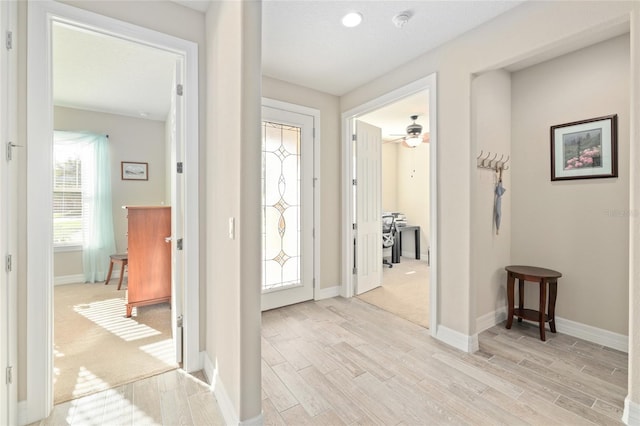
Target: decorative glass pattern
281,203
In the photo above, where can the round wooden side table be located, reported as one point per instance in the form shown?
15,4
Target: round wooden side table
542,276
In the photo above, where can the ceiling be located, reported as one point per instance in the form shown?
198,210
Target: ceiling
303,41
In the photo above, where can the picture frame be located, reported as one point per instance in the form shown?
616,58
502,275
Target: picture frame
133,170
586,149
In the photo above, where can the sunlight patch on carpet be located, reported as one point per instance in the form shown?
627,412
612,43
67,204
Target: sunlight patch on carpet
163,351
109,314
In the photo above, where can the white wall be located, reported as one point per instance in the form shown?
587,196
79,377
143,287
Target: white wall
390,177
233,176
578,227
413,195
130,139
491,251
542,28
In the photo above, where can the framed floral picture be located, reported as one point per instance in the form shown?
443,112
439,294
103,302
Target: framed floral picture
585,149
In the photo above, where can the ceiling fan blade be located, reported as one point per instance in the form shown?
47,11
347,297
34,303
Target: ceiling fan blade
397,140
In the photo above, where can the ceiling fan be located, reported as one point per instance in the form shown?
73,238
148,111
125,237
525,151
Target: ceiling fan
414,136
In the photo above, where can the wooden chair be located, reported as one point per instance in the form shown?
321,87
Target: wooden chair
123,260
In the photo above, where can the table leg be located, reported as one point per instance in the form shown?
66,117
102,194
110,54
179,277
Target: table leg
395,251
510,290
553,292
520,296
542,307
417,238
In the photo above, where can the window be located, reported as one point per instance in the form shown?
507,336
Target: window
67,196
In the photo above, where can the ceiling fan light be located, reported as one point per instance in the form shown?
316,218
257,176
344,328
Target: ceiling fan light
413,141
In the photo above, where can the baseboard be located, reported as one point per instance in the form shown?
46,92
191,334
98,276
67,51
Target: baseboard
224,402
79,278
593,334
411,254
209,369
582,331
327,293
487,321
23,414
255,421
631,413
458,340
68,279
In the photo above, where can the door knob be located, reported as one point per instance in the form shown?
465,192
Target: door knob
167,239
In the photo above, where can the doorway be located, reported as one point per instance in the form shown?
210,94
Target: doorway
84,305
42,16
350,201
403,288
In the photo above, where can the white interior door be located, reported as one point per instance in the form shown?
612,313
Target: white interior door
368,188
287,207
177,209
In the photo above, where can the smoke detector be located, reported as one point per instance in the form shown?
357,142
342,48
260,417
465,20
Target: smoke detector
401,19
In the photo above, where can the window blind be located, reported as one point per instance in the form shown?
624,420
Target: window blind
67,197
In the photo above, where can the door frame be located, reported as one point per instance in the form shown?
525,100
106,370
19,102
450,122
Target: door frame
426,83
317,234
9,216
39,358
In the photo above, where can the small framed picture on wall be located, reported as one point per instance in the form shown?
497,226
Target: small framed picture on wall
132,170
585,149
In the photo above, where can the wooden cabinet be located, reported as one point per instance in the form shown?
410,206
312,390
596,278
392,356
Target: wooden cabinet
149,255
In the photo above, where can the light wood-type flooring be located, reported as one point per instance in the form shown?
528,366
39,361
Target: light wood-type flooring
345,362
171,398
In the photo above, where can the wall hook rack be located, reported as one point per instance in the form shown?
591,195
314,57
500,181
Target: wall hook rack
490,161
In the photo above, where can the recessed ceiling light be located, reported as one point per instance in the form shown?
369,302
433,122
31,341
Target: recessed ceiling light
351,19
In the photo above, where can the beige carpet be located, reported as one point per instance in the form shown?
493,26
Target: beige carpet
404,291
97,348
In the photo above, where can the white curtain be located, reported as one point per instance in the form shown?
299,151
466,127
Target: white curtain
98,236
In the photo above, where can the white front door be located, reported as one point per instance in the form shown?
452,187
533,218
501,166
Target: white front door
287,207
368,207
177,209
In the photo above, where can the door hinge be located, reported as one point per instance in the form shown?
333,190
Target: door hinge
179,244
355,271
355,226
353,137
9,43
179,89
9,375
179,321
9,153
8,263
355,182
179,167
